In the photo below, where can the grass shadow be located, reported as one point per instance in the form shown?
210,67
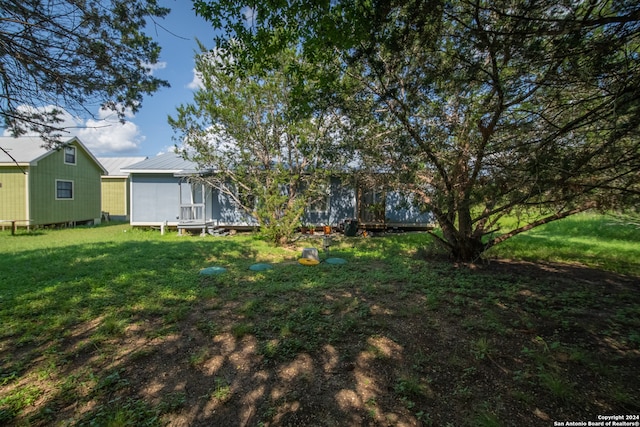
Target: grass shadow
117,328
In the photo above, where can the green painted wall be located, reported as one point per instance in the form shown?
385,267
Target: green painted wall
85,174
115,196
13,193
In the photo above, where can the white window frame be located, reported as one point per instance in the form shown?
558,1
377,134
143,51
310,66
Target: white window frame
75,155
72,189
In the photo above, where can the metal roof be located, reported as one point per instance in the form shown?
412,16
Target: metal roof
27,150
113,165
164,163
24,150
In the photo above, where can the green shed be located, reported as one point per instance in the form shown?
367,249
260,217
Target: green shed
40,186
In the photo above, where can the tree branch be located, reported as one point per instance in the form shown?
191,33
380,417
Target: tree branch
545,220
14,160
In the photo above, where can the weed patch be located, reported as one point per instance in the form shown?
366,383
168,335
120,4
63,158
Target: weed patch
103,327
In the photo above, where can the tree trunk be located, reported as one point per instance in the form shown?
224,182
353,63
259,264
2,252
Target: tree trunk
462,243
467,249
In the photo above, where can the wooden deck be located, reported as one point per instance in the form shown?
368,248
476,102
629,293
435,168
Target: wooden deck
214,227
395,226
15,224
191,226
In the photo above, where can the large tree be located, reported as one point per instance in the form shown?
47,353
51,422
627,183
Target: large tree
75,56
483,108
259,149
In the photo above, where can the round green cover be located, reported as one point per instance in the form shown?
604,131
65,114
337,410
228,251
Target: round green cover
210,271
336,261
260,267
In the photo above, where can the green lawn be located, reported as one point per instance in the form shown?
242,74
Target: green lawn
599,241
115,326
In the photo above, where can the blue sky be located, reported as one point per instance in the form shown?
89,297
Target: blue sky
177,37
148,133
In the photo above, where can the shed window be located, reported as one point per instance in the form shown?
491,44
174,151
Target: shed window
64,189
70,155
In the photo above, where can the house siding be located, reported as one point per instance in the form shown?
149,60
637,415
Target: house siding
222,210
13,194
85,174
226,213
161,193
115,196
155,199
401,209
342,203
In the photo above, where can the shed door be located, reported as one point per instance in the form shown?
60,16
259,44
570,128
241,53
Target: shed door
192,198
371,206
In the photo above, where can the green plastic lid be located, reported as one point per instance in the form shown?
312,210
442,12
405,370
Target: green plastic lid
210,271
336,261
260,267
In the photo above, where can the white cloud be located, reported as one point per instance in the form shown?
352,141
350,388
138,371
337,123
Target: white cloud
216,57
250,16
166,149
108,135
102,135
151,68
67,120
196,82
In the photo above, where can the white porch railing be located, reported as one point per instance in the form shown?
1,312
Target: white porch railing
192,212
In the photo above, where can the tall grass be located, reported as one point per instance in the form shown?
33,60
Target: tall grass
598,241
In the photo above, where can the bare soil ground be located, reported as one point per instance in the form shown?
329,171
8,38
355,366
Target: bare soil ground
515,355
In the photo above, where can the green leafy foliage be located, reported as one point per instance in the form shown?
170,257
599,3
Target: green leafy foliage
70,55
260,151
483,109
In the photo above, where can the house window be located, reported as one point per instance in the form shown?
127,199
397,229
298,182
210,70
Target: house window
70,155
64,190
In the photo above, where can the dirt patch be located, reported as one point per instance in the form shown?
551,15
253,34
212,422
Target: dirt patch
512,353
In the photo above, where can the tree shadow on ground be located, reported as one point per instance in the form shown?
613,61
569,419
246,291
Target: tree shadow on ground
382,340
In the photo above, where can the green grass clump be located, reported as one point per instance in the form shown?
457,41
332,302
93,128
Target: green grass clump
598,241
115,326
17,400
